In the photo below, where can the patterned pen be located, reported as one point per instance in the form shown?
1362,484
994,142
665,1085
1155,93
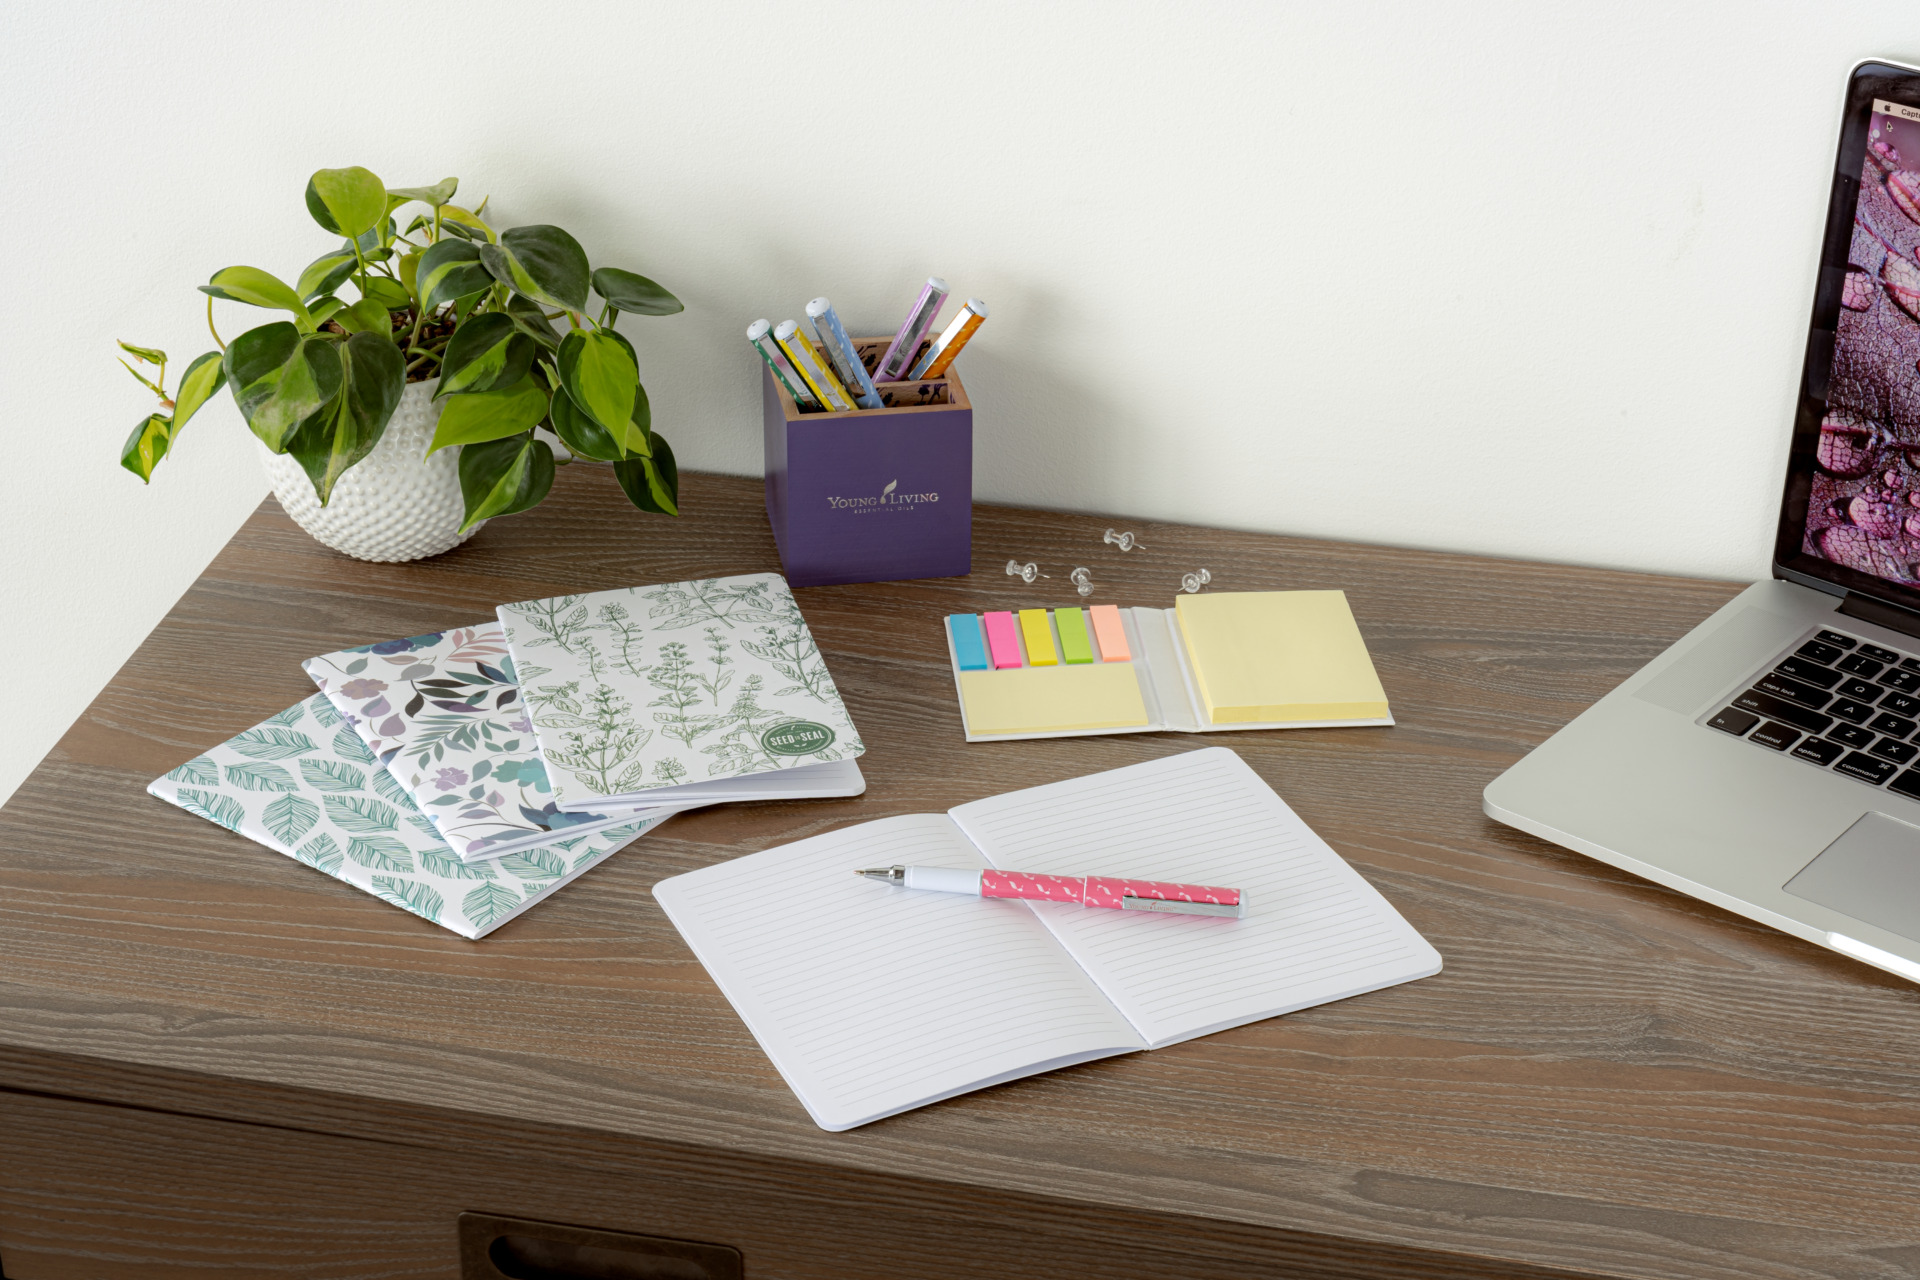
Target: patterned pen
948,344
839,348
760,334
899,357
1113,892
813,367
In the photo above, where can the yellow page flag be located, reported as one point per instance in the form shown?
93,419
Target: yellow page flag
1274,656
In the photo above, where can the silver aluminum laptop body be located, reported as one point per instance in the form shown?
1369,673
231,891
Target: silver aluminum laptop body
1727,767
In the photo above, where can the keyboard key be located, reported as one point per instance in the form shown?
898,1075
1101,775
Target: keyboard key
1780,709
1852,735
1907,784
1812,672
1737,722
1911,664
1878,654
1820,652
1904,681
1805,694
1857,689
1901,705
1818,750
1837,640
1849,710
1866,768
1860,664
1779,737
1888,749
1892,726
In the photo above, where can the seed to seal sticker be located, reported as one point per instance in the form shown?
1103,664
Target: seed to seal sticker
797,738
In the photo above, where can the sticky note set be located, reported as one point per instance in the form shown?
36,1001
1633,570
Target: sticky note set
1273,656
1213,662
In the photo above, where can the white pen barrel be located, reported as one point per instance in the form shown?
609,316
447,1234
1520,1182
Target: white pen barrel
944,880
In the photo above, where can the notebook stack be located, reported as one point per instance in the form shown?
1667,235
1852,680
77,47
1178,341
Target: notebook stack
466,774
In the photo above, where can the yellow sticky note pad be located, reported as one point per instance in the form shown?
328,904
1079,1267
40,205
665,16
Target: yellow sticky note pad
1055,699
1275,656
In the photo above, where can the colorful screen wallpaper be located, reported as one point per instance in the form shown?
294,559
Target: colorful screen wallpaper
1864,511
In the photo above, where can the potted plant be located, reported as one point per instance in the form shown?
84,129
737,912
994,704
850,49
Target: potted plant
397,421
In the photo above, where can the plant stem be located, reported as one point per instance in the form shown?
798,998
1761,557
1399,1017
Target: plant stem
210,329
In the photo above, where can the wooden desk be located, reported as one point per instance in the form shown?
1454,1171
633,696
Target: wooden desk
214,1061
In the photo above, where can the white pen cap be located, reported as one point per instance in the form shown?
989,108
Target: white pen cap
785,331
817,308
757,330
936,282
978,308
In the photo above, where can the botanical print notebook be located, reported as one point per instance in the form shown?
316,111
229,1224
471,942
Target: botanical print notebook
442,712
647,688
304,784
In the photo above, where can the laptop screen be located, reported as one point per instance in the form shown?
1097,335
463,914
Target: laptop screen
1852,512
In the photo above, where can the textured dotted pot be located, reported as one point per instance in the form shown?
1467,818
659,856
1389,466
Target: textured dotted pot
394,504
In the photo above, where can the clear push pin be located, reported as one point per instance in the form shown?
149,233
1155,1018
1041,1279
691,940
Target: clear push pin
1192,582
1124,541
1082,581
1025,572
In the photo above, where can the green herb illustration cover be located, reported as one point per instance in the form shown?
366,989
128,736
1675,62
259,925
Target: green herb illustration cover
642,688
304,784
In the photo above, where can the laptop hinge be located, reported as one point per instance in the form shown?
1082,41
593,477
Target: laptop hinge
1881,614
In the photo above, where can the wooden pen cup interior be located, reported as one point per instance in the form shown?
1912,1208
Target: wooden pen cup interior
911,394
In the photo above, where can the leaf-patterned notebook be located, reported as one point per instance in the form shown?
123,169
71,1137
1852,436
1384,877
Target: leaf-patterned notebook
443,714
302,783
710,687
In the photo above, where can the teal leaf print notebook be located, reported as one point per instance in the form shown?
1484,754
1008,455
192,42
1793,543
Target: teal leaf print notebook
443,713
305,785
710,688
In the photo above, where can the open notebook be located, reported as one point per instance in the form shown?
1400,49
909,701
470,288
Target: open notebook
1229,660
872,1000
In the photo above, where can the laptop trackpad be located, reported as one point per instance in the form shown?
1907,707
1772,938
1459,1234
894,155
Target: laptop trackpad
1872,872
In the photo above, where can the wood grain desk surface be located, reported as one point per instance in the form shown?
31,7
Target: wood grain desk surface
1607,1078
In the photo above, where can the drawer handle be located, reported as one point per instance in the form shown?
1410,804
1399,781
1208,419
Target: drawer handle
498,1248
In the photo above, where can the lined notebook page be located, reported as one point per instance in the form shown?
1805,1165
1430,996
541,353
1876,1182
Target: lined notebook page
1314,930
872,1000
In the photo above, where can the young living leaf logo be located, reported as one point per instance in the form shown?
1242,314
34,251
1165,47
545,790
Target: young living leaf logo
887,501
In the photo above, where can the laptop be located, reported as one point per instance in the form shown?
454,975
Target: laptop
1769,762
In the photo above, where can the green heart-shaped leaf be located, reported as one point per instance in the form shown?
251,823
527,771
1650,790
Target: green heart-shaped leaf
480,416
542,262
346,201
200,383
324,274
629,292
257,288
437,194
388,293
147,445
504,476
579,432
281,378
324,309
365,316
487,353
450,269
465,223
532,321
599,371
651,483
374,373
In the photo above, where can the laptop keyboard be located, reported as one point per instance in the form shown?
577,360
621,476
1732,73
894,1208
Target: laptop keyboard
1840,703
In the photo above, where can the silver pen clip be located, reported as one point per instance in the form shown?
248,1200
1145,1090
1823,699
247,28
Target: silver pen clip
1133,902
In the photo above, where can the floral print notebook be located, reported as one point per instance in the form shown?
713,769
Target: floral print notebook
443,714
649,691
303,783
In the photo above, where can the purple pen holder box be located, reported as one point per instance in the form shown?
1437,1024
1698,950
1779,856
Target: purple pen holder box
874,495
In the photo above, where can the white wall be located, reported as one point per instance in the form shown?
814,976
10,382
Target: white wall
1497,277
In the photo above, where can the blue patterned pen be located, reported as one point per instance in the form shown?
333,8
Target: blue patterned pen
839,349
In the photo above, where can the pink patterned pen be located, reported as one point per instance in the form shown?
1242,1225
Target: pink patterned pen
1089,891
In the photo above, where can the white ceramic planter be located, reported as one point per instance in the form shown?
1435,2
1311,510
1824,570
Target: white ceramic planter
396,503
